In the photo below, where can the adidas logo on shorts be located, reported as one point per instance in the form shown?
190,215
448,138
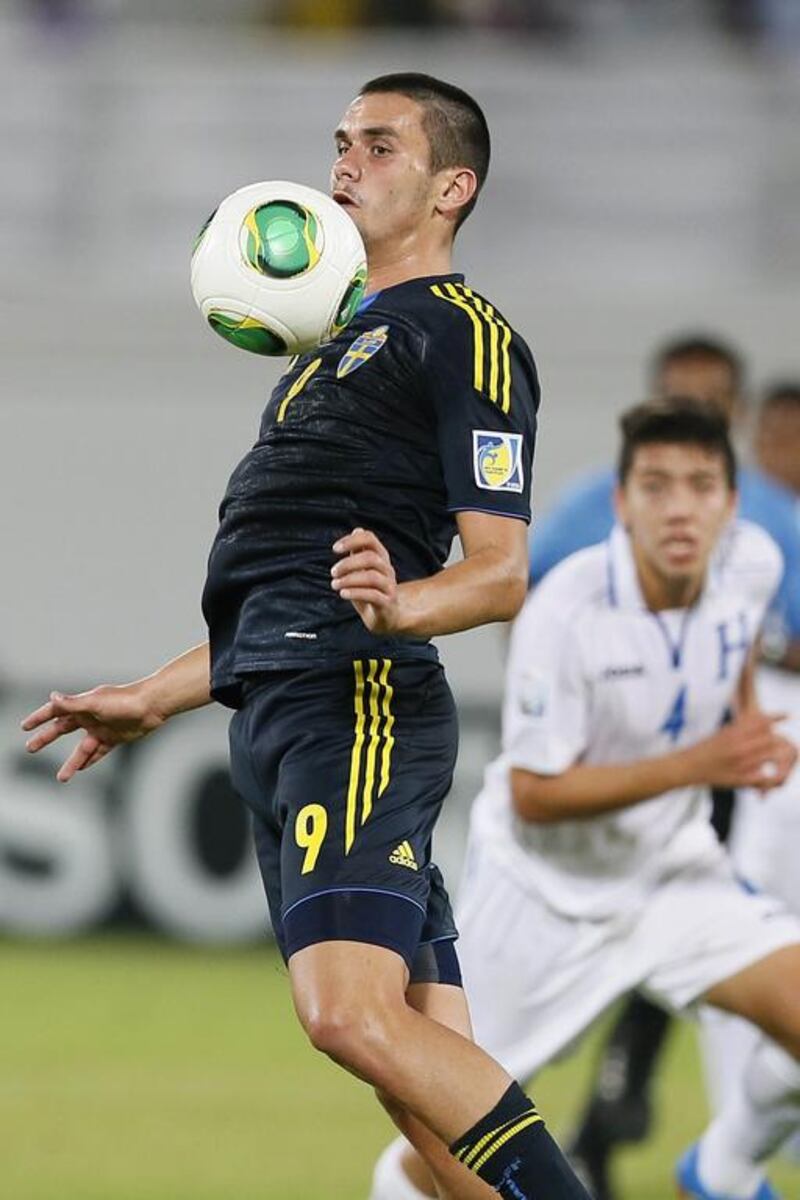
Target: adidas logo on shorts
403,856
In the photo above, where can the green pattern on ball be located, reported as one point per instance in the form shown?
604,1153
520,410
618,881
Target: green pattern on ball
350,301
281,239
246,332
201,233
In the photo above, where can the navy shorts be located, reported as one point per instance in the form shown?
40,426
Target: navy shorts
344,771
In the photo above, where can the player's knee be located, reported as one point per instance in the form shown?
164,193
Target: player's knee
357,1037
395,1111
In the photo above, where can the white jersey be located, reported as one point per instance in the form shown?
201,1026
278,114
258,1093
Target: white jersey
595,677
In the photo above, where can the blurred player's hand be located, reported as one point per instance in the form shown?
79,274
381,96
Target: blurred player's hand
747,753
364,575
108,717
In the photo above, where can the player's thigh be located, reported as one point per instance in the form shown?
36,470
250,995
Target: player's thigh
706,936
767,992
444,1003
726,1042
534,979
337,984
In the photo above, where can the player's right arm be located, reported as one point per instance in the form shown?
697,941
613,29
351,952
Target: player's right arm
748,753
548,728
109,716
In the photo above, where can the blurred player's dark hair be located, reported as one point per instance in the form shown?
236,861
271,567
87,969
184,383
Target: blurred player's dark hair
453,122
678,421
783,393
699,347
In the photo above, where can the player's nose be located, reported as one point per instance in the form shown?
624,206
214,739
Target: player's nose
347,166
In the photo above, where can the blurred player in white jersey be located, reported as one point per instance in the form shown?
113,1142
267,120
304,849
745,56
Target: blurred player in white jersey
765,840
592,865
618,1108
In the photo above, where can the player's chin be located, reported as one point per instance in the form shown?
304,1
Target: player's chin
355,212
682,561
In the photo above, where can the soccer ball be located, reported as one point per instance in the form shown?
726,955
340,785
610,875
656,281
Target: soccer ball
278,268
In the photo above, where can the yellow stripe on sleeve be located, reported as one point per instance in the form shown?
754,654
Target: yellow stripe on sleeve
500,366
506,400
487,312
477,328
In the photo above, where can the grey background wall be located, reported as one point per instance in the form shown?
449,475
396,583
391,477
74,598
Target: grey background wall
641,185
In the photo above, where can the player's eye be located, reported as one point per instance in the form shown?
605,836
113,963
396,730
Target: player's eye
378,151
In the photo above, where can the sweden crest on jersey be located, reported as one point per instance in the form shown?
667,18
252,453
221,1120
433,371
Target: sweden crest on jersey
497,458
361,350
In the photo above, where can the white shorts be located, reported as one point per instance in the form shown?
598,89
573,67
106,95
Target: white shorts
535,980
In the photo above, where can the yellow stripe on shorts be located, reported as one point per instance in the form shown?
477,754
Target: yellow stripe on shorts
355,758
374,720
388,725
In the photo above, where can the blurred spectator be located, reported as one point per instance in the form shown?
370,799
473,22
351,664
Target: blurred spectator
776,22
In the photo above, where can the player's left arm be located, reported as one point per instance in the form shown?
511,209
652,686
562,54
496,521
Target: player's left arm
746,691
489,584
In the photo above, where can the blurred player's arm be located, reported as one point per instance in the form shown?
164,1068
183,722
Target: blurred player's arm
489,584
746,693
749,752
111,715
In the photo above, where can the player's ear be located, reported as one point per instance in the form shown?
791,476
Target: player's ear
733,504
457,186
620,505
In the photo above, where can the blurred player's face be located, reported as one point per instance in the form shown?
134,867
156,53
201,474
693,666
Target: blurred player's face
382,170
707,379
675,503
778,444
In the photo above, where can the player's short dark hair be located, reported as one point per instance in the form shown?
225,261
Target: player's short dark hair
453,121
678,421
699,347
782,393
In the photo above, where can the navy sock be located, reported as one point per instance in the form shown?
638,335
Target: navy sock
511,1150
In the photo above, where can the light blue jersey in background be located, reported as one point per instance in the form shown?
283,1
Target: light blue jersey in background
583,515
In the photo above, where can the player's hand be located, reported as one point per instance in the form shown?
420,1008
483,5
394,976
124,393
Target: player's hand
107,716
747,753
364,575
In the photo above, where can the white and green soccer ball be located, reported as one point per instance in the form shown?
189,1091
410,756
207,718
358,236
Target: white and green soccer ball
278,268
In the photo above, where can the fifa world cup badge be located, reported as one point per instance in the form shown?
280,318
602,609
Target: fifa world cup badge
497,459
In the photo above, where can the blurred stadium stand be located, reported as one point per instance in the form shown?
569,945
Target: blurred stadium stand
646,179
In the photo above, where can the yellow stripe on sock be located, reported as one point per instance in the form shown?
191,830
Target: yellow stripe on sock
506,1137
468,1153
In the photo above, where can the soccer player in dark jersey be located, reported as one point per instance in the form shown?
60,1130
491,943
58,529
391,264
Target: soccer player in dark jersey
326,582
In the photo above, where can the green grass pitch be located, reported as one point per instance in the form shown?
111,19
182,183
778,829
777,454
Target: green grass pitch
132,1069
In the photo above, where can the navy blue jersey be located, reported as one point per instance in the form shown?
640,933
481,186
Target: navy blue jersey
423,407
